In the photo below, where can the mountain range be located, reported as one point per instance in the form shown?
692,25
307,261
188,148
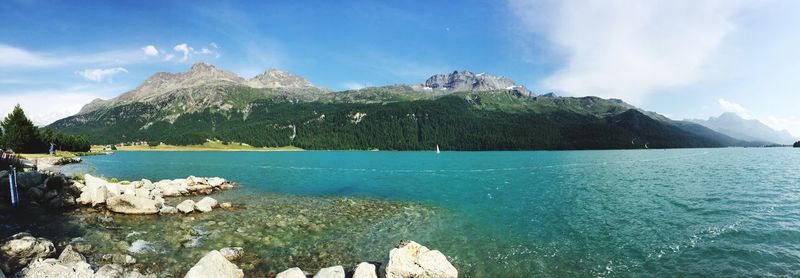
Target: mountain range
735,126
459,110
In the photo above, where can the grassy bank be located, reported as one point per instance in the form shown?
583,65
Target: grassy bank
208,146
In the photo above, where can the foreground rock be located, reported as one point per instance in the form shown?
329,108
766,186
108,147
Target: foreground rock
186,206
206,204
55,268
214,265
232,253
130,204
365,270
410,259
330,272
294,272
21,249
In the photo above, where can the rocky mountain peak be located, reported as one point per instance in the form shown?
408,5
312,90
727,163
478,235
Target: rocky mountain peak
458,81
274,78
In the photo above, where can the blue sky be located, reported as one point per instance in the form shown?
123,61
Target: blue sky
685,59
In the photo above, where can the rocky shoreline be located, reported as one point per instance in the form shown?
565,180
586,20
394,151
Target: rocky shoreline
105,198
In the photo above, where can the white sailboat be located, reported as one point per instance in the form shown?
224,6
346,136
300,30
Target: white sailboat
437,148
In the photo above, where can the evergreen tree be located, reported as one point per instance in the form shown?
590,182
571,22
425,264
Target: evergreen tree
19,133
797,144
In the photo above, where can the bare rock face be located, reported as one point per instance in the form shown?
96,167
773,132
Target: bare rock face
330,272
410,260
130,204
21,249
273,78
294,272
214,265
466,81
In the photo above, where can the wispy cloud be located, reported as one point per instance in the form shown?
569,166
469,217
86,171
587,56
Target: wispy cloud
627,49
185,49
14,57
729,106
353,85
97,75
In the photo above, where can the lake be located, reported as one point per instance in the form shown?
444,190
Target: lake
683,212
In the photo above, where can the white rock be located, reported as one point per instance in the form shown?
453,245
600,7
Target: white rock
206,204
90,180
186,206
21,249
110,271
410,259
365,270
70,256
51,268
214,265
142,192
215,181
294,272
330,272
130,204
167,210
170,190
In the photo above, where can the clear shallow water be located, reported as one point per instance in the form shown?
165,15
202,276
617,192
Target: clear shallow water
691,212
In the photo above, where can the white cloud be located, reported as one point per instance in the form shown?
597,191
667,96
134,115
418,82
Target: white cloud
14,57
150,50
627,49
169,57
97,75
791,124
730,106
48,105
185,49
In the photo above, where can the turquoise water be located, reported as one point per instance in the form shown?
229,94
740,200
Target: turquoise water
689,212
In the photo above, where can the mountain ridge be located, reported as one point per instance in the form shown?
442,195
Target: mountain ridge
459,110
735,126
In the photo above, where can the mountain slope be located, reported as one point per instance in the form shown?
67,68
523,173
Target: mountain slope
735,126
457,111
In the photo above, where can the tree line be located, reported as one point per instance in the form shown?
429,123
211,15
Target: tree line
450,122
18,133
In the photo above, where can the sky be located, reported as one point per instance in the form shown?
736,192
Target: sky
683,59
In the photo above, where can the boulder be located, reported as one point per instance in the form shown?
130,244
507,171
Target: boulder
62,201
142,192
90,180
110,271
93,193
330,272
54,268
21,249
167,210
226,205
56,182
215,181
129,204
294,272
170,190
28,179
205,204
410,259
34,193
70,256
232,253
186,206
214,264
365,270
